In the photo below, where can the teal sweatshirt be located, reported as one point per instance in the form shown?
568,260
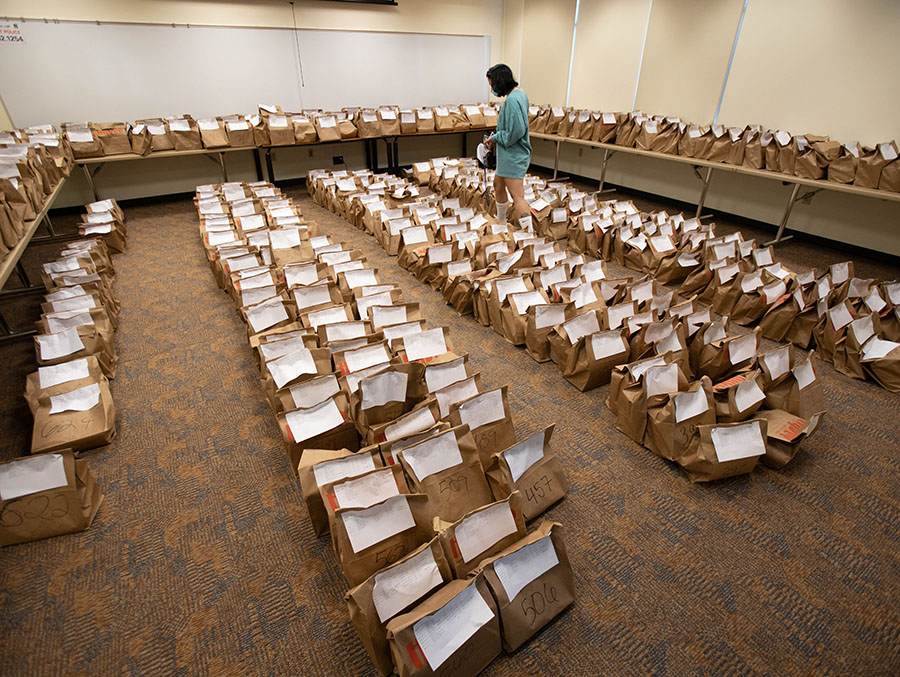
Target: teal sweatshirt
511,137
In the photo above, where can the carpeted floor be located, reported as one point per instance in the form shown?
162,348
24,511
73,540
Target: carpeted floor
202,559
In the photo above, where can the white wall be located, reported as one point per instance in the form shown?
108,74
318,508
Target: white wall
688,44
820,67
608,53
452,17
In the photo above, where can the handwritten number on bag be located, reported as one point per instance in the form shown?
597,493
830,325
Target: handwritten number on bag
454,484
42,507
537,602
538,490
390,555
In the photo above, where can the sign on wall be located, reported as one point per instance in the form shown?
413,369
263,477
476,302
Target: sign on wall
11,33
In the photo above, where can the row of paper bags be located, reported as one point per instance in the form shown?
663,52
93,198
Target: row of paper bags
427,519
269,126
31,167
807,156
53,491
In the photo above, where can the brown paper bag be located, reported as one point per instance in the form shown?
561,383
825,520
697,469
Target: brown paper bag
446,468
304,130
720,451
531,468
871,164
671,422
881,360
140,139
391,591
426,640
46,495
212,133
81,418
532,583
366,540
482,533
325,425
184,134
489,418
113,137
784,434
318,467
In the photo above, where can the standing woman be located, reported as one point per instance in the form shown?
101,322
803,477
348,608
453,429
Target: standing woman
512,144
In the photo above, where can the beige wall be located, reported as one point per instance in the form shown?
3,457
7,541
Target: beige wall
819,67
608,53
546,46
688,45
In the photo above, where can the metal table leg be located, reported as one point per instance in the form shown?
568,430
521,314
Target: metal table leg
785,217
556,161
606,156
464,151
269,168
90,180
257,164
703,191
222,165
368,148
396,144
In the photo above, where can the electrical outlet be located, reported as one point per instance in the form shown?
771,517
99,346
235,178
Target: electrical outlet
309,152
337,159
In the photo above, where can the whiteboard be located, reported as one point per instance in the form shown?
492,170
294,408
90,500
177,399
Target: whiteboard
68,71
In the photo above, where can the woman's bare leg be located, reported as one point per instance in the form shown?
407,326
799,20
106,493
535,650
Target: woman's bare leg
516,188
501,197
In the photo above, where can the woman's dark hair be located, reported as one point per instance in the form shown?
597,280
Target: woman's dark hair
502,80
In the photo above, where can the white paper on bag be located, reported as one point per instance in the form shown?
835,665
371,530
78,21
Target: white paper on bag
327,316
379,389
876,349
327,472
369,526
414,422
549,315
524,454
30,475
480,530
404,584
690,404
440,634
63,373
661,380
747,394
424,344
81,399
606,344
53,346
777,361
739,441
288,367
582,325
310,393
367,490
438,376
521,567
483,410
308,423
366,357
266,314
455,392
742,349
433,456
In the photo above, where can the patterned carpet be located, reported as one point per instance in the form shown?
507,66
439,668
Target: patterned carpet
202,559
